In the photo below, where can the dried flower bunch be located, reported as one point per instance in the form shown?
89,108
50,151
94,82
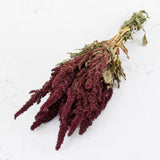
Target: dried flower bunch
80,88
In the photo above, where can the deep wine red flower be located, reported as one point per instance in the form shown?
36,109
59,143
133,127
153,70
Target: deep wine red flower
80,88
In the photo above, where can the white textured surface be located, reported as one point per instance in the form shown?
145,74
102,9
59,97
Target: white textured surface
34,36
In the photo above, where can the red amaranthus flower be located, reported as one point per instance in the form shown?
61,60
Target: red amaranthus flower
81,87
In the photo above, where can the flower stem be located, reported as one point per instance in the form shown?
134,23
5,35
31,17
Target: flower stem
135,23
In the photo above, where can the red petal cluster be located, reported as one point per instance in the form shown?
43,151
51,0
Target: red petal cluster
77,94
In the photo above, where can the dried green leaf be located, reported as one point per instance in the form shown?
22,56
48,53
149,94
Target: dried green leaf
108,77
64,61
144,40
135,23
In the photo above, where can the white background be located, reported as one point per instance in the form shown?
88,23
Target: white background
35,35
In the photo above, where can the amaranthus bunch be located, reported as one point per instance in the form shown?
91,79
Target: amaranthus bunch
80,88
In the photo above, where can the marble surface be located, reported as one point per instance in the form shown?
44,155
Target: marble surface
35,36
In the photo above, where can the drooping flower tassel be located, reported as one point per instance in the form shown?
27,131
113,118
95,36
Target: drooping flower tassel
80,88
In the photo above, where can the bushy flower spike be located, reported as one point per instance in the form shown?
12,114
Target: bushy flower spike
80,88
